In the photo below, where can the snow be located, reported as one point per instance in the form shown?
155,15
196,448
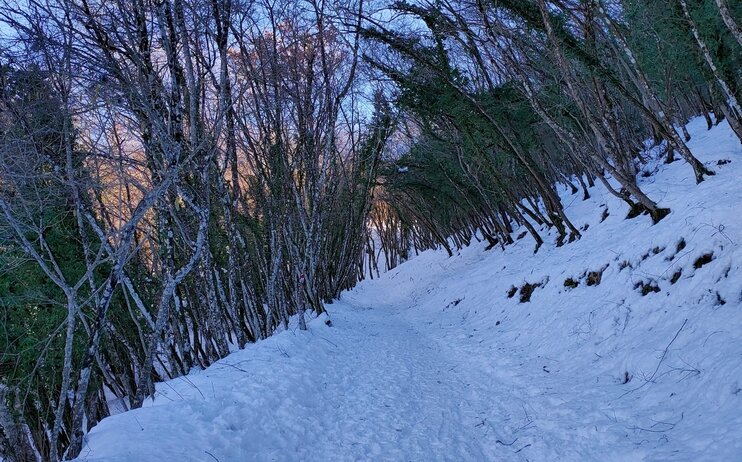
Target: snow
433,361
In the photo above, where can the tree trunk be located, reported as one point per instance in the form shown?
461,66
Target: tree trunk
726,15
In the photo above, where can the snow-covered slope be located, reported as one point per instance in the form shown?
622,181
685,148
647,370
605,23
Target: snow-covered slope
630,348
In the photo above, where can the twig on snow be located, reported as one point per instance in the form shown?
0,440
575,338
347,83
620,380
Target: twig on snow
507,444
662,358
669,426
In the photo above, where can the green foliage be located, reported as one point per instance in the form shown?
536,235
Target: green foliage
461,165
33,309
667,51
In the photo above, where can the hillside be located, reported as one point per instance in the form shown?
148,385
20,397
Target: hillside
624,345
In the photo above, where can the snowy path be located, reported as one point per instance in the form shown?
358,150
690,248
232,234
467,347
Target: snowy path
369,388
393,392
372,387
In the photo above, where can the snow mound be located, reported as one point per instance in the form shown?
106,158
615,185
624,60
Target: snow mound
624,345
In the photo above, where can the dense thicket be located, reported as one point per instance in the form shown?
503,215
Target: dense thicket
180,177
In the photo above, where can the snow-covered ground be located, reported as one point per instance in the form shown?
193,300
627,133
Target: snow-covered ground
434,361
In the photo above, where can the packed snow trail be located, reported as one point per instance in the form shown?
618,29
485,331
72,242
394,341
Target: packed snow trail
371,387
441,360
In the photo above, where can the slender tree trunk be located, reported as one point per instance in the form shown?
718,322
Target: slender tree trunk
726,15
730,99
665,124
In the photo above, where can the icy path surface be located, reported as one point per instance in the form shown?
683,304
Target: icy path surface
441,359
